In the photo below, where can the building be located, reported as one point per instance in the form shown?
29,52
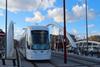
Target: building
2,40
57,41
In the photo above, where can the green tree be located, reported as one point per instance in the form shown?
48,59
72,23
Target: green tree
95,38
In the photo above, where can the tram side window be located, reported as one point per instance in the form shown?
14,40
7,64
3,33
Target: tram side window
80,44
22,43
95,44
28,46
90,45
29,42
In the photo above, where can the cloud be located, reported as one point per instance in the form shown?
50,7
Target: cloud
91,25
1,14
18,33
79,12
56,14
55,30
74,31
38,17
47,3
94,33
26,5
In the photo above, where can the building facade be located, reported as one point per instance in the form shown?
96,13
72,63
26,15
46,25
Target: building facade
2,41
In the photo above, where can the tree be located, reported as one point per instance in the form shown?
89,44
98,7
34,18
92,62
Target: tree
95,38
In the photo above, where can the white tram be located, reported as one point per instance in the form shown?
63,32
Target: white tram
92,45
34,43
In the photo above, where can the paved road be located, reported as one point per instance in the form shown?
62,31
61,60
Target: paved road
75,61
57,61
9,63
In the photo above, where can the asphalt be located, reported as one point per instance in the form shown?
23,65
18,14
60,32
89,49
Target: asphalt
58,62
9,63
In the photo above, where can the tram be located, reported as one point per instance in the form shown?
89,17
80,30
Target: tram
93,47
34,43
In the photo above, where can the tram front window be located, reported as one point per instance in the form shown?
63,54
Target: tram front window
40,40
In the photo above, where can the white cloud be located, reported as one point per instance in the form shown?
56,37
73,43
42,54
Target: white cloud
18,33
91,25
26,5
79,12
94,33
74,31
79,37
38,17
47,3
55,30
56,14
1,14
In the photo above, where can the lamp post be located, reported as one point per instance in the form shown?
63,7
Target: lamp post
86,18
65,39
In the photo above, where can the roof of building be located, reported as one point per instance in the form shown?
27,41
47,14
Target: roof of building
1,33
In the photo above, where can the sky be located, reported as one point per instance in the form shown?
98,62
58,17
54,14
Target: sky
43,12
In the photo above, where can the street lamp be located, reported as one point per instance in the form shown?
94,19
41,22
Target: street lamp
65,39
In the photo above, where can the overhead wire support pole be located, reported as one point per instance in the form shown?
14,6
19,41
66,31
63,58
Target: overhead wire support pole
65,39
3,60
86,18
6,29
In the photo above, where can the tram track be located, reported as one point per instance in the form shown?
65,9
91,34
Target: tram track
43,63
54,62
40,63
34,64
83,61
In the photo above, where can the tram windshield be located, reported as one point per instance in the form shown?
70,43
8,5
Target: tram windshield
40,39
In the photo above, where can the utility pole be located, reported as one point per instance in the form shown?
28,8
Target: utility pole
3,60
65,39
6,29
86,18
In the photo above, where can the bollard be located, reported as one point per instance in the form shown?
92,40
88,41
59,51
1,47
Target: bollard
14,63
3,62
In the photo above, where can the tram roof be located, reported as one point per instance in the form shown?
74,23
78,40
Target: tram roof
37,28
